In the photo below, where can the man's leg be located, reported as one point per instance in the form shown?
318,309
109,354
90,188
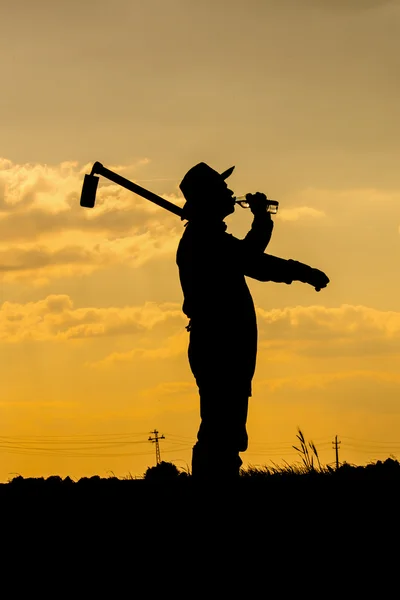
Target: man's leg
222,435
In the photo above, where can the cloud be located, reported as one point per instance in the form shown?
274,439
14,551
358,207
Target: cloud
36,185
342,391
39,263
315,381
158,333
37,257
175,345
318,330
321,331
340,203
43,190
55,319
46,234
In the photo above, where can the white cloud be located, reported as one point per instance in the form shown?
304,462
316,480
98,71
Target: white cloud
55,319
46,234
157,330
51,189
323,331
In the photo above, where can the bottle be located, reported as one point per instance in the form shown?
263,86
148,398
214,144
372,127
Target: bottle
272,206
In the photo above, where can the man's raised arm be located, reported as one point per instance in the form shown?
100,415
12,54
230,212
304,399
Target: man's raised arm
260,233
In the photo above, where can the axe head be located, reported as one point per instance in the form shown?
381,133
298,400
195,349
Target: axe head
88,195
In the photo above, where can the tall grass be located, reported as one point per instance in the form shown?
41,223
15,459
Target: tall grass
306,456
309,462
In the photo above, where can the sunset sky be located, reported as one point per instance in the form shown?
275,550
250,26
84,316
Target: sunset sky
303,97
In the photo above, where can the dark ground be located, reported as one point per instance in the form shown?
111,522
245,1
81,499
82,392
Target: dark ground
262,533
256,503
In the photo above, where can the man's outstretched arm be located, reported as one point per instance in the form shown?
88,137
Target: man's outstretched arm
265,267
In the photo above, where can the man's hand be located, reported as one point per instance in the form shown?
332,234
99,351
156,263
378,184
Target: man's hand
317,279
306,274
258,203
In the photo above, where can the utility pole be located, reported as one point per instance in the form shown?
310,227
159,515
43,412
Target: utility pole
336,445
155,440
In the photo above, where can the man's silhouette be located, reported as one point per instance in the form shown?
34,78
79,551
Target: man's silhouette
223,328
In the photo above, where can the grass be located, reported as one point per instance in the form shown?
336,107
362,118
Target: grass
309,462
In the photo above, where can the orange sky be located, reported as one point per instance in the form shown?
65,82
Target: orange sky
304,101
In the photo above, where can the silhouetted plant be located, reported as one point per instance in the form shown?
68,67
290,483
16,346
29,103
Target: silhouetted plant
266,470
164,471
252,471
130,477
307,457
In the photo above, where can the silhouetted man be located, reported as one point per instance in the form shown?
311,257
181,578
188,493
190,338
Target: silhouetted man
223,328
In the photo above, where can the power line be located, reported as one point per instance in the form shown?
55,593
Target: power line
109,444
371,450
77,435
363,441
183,437
69,454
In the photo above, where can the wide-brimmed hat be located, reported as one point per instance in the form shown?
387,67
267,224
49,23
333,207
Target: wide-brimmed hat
198,178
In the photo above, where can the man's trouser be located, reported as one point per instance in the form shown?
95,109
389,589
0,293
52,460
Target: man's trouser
223,365
222,434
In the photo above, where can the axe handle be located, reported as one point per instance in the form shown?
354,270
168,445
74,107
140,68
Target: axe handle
133,187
